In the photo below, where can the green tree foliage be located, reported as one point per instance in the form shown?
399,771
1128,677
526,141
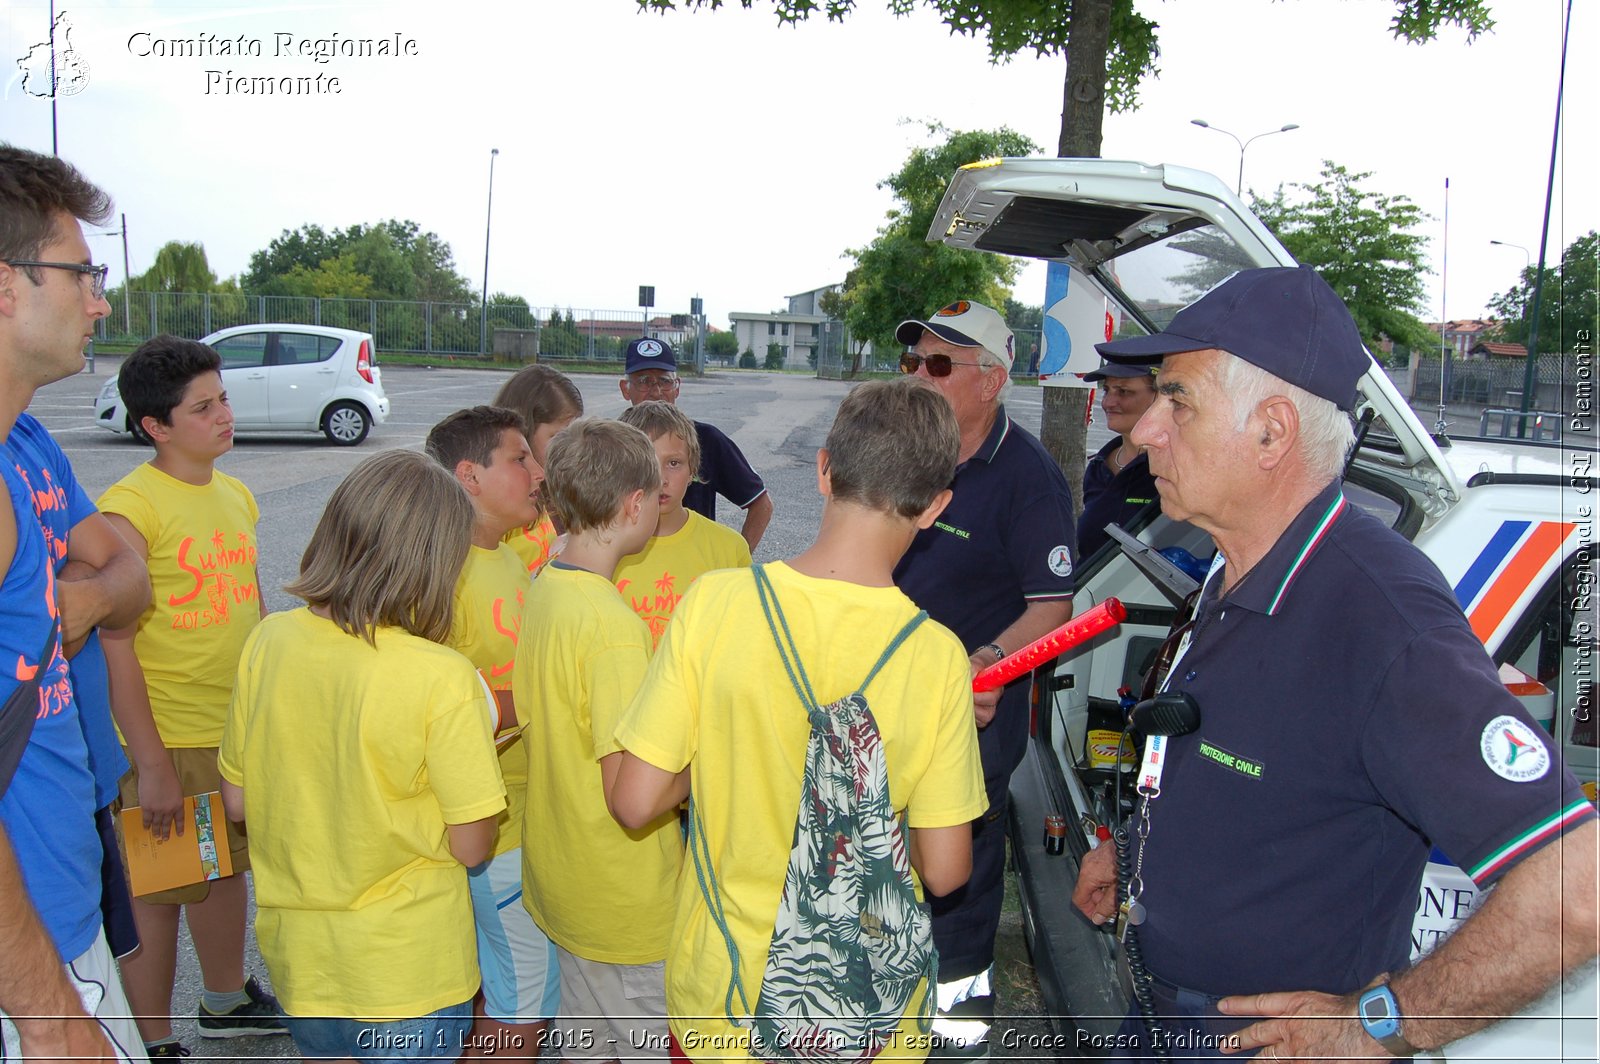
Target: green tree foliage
747,360
1023,318
177,267
723,346
1125,39
1567,300
1363,244
398,260
900,274
774,359
336,277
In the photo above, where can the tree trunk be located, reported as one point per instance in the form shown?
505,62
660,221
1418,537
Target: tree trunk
1062,426
1083,105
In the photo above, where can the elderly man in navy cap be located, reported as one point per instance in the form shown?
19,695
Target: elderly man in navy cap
1357,713
652,373
996,569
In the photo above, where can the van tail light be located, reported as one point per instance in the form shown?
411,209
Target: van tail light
364,361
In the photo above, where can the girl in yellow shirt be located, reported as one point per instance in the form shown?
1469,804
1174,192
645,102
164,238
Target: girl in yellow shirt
359,750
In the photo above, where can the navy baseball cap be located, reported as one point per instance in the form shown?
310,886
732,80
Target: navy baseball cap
649,353
1284,319
1115,369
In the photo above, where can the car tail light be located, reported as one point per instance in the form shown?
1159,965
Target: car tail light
364,361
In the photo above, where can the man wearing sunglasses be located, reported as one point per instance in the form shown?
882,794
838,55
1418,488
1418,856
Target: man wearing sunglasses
996,569
54,957
652,373
1350,721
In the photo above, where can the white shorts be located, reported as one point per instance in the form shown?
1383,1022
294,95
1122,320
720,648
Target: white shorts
521,978
94,975
612,1010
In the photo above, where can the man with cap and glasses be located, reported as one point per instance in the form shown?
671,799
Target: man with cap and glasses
652,373
1117,483
996,569
1349,720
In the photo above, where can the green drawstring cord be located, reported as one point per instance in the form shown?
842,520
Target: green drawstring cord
699,849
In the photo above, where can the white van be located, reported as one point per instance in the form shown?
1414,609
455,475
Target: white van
1511,525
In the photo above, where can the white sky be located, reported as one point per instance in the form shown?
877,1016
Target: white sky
720,154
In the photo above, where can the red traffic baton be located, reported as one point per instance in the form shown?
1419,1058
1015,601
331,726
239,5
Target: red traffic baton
1080,629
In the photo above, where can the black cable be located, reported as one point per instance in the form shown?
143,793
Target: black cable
1130,952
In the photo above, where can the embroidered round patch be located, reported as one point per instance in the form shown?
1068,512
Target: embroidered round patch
1514,751
648,349
1060,561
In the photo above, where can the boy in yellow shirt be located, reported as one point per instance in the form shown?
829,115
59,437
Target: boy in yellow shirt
603,894
172,674
685,544
486,448
716,713
548,401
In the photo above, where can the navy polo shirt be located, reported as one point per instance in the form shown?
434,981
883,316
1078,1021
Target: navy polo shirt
723,471
1112,498
1005,540
1349,720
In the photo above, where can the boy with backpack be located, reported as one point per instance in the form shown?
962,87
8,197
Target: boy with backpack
172,674
602,894
486,449
685,543
804,936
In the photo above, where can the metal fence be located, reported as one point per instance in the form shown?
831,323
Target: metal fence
406,327
516,333
1497,382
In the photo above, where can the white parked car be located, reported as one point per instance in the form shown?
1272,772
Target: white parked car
1509,523
286,378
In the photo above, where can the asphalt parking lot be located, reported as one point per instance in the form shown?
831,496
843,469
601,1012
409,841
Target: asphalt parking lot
779,420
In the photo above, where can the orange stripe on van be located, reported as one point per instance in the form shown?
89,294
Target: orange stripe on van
1519,572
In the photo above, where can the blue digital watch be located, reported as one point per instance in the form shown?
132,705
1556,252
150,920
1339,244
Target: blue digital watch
1379,1014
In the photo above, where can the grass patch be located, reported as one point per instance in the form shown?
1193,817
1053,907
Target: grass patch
1016,984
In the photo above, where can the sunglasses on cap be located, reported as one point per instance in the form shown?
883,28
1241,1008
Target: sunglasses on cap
938,365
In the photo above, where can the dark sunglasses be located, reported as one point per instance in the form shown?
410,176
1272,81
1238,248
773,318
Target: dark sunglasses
938,365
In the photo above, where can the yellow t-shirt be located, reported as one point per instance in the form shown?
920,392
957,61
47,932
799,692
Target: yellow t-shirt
654,580
353,758
488,615
717,699
204,599
598,890
535,544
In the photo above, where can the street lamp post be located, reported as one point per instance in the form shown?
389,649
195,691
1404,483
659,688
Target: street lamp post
483,315
1529,358
1527,268
1243,144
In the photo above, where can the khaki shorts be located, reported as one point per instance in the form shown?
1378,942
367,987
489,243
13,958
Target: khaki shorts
611,1011
197,774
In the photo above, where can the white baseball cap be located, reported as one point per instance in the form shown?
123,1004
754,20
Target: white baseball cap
965,324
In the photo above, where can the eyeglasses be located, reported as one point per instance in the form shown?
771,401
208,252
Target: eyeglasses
938,365
655,384
96,274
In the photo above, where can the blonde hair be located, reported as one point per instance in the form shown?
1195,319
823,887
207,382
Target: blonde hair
657,419
594,464
388,548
